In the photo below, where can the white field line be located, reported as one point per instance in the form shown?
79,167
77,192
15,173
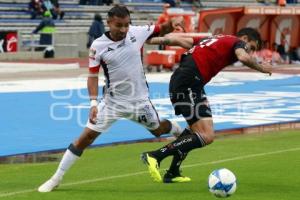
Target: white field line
144,172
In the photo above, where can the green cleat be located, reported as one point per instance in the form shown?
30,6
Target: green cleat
175,178
153,166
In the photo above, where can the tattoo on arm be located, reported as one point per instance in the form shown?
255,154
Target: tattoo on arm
165,41
246,59
252,63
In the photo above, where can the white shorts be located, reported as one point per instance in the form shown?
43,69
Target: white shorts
142,112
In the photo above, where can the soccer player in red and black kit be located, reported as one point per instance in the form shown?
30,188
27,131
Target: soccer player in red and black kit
205,59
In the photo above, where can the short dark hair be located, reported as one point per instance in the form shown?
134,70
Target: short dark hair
98,17
252,35
118,11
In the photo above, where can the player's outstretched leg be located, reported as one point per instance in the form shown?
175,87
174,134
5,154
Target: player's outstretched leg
153,166
73,152
49,185
69,158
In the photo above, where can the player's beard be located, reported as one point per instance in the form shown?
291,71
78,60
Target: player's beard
121,36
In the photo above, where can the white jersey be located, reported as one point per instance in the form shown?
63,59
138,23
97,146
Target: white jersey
122,64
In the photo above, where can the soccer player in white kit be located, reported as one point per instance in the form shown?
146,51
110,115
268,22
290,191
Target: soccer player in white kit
126,94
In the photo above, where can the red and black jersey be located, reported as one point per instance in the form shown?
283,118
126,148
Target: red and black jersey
212,54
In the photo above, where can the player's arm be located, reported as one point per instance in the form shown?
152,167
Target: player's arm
92,85
251,62
185,42
175,23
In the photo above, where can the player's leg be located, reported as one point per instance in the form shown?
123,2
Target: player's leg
167,127
73,152
146,115
201,133
173,174
104,120
182,146
188,98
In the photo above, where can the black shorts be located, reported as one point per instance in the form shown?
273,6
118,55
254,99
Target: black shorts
187,93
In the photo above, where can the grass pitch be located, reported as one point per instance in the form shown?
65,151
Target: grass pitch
267,167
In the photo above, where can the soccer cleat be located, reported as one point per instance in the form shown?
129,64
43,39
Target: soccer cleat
153,166
175,178
49,185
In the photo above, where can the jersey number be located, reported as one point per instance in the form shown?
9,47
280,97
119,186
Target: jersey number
207,42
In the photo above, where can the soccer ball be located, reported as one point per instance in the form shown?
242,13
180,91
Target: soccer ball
222,182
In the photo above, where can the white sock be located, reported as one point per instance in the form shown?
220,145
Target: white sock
66,162
176,130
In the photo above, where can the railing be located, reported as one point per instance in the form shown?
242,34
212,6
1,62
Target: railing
65,44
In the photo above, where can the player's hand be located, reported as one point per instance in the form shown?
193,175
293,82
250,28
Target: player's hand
177,24
266,68
93,114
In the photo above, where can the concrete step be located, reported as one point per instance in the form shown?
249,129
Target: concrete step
70,15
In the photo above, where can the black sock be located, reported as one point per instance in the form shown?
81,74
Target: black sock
74,150
186,131
179,157
183,144
176,162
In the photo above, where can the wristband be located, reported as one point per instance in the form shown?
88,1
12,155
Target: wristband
94,102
